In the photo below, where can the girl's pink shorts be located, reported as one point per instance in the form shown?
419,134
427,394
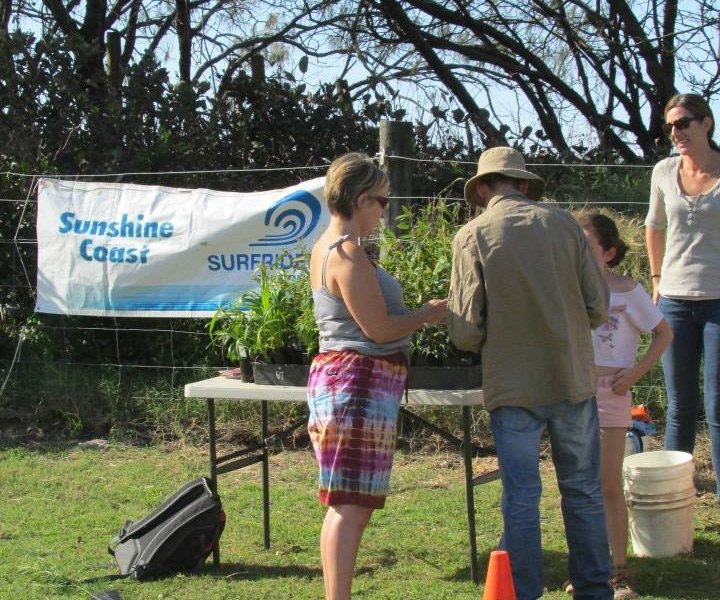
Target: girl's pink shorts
613,410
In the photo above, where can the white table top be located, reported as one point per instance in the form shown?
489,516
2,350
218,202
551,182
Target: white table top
224,388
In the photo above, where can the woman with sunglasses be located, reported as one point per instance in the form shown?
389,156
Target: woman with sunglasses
683,241
357,380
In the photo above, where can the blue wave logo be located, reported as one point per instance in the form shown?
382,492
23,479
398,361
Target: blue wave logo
293,218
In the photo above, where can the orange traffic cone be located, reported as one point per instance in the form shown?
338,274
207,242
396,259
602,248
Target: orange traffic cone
498,582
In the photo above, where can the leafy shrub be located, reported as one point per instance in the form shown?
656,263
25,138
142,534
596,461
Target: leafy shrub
273,323
419,255
624,187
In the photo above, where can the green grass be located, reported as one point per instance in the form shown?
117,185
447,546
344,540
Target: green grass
61,507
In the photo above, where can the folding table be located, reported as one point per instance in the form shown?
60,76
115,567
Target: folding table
223,388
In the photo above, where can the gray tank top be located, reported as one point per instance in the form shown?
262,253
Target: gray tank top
339,331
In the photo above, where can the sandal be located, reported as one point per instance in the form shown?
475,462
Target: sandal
623,585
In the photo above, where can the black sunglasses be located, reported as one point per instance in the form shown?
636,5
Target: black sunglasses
680,124
382,200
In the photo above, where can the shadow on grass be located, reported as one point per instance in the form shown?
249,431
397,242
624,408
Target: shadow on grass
387,559
253,572
46,447
59,446
231,571
694,575
705,482
555,565
685,577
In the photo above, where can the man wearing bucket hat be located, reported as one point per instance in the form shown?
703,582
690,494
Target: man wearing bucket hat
525,292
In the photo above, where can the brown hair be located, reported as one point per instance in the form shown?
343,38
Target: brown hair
349,176
606,232
698,106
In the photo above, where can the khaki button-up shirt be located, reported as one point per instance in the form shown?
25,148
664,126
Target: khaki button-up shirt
525,292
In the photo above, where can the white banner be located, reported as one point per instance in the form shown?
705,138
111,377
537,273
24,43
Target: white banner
111,249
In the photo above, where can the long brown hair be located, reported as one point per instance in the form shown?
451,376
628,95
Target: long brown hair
607,234
698,106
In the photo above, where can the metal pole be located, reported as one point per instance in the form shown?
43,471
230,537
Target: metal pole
470,495
213,467
265,473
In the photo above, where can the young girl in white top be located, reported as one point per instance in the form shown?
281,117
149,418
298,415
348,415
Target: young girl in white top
632,312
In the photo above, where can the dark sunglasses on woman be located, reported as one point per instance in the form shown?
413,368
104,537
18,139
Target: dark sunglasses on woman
680,124
382,200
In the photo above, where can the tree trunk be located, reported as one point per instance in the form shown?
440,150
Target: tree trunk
5,12
184,33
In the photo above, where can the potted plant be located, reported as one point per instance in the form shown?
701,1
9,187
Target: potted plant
228,329
420,256
272,327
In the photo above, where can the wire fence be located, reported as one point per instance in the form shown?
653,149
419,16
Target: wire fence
116,333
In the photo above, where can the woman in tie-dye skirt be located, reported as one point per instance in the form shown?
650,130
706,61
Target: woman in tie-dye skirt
358,378
353,413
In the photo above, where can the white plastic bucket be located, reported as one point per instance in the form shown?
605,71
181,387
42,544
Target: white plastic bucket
660,494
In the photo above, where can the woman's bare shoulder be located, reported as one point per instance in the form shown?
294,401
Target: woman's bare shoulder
346,259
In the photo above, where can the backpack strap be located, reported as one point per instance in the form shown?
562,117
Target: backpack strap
116,540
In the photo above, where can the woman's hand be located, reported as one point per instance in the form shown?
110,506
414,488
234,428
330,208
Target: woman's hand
656,290
434,311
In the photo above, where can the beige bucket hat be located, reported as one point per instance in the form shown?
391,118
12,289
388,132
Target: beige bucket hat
505,161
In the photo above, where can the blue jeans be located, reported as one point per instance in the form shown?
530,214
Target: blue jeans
696,329
575,440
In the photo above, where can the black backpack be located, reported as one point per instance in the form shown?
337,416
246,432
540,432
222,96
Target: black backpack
177,536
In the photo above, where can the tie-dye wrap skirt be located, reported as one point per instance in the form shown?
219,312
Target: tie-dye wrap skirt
354,401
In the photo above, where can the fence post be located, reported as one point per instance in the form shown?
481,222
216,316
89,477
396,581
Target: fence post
396,140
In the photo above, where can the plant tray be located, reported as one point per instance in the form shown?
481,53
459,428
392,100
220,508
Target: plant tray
445,378
427,378
280,374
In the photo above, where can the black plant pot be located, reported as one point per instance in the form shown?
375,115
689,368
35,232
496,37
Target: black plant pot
280,374
247,370
467,377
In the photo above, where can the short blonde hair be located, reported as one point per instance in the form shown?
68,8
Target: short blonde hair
349,176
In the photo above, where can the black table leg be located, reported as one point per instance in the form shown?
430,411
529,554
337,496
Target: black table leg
470,495
265,473
213,467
